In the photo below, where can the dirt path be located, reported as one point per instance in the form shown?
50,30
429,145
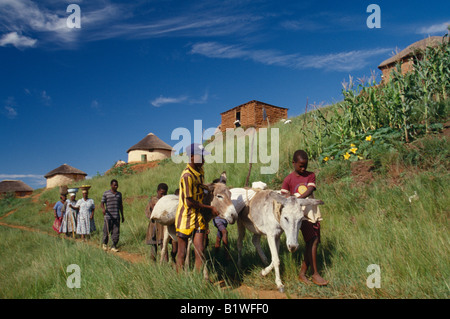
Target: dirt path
7,214
246,291
252,293
131,257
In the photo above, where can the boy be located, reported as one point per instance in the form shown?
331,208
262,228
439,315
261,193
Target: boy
155,231
112,205
302,184
189,221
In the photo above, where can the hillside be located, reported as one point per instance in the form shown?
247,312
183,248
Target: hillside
368,219
385,187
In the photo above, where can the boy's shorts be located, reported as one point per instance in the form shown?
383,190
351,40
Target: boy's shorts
188,224
221,225
183,235
310,230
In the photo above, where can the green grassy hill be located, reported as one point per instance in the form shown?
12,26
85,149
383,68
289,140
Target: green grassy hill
368,219
386,203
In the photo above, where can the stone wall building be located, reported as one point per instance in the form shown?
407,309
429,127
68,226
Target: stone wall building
150,148
18,188
252,114
408,56
64,175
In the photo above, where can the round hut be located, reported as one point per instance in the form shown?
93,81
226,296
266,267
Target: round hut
64,175
150,148
18,188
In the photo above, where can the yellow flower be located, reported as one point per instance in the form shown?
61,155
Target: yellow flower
326,158
347,156
353,150
360,157
352,145
369,138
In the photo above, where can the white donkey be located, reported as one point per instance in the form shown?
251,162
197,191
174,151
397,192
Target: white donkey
269,213
217,195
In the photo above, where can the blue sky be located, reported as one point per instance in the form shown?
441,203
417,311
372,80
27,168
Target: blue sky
83,96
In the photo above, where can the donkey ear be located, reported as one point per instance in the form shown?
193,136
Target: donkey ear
223,177
278,197
208,188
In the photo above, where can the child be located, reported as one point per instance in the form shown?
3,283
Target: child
302,184
222,232
155,231
112,208
58,213
189,221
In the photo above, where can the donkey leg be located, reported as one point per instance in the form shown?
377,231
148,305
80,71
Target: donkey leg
240,239
188,253
272,241
256,240
205,271
165,244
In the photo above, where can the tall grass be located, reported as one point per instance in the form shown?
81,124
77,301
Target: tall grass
363,225
35,266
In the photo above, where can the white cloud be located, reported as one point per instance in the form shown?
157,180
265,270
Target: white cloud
324,21
33,180
202,100
340,61
46,20
10,112
167,100
173,100
26,15
440,28
189,19
46,98
15,176
17,40
95,104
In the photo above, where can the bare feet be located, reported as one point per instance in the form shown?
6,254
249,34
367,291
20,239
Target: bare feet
319,280
303,279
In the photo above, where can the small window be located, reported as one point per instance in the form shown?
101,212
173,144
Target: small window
144,158
237,123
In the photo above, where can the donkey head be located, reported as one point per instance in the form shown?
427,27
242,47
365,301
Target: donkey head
292,213
218,195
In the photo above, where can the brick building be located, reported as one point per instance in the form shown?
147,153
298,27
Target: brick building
407,56
252,114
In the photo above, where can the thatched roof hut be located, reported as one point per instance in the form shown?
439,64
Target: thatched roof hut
406,56
64,175
19,188
150,148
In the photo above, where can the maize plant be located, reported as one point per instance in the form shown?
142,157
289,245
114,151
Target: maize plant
396,108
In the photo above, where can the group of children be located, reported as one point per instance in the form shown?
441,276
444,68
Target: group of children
190,223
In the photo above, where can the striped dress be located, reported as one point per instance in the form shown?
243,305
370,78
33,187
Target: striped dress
69,221
188,218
